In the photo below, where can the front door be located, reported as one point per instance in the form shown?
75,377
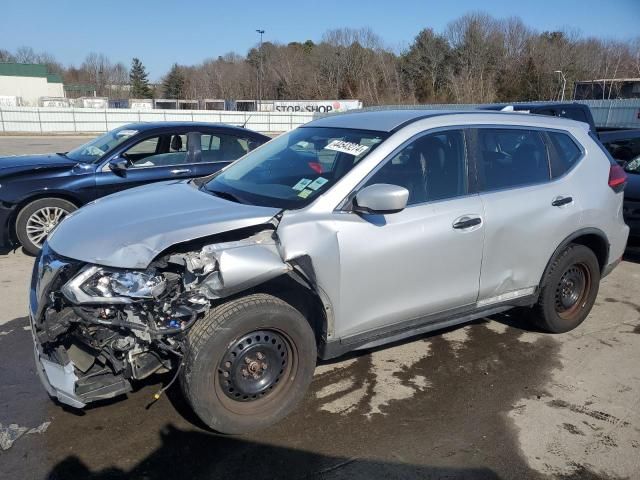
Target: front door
423,260
153,159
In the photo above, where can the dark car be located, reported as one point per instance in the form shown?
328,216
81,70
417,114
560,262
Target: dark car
632,196
623,145
37,191
570,110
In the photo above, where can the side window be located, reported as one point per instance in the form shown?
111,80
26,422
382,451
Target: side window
209,142
564,153
222,147
144,148
160,151
509,158
432,167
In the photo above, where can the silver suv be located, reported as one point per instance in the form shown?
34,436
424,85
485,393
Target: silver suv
347,233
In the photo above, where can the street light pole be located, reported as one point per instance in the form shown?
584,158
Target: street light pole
261,32
564,82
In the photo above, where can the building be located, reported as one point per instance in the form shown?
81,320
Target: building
607,89
75,90
28,82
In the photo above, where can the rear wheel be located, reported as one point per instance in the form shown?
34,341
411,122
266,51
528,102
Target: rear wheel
38,219
248,363
569,290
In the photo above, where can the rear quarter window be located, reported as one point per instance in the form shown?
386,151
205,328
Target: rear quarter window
564,153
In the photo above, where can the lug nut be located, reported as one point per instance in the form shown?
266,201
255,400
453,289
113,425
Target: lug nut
260,355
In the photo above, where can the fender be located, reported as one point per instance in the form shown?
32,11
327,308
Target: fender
579,233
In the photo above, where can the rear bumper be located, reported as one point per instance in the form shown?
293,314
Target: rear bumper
617,246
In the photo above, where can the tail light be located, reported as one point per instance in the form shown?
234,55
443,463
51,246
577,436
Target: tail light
617,178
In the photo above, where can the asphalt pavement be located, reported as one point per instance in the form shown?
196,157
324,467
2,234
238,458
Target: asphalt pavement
493,399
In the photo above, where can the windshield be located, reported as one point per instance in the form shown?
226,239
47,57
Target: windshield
295,168
633,166
95,149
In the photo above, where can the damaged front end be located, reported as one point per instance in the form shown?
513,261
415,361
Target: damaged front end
99,329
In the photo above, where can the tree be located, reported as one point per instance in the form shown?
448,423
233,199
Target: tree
138,80
173,83
6,56
424,65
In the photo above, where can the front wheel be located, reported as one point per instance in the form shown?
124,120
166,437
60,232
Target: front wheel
38,219
248,363
569,290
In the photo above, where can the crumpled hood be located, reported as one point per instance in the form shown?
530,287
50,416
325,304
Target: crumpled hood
129,229
18,163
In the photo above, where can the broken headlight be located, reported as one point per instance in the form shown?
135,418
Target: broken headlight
101,285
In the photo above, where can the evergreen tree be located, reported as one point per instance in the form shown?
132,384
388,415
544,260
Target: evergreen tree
138,80
173,83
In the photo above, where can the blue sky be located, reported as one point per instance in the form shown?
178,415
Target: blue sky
163,32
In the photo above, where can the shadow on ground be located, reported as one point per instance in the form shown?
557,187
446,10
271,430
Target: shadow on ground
197,455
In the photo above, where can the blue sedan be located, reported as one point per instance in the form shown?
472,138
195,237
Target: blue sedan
37,191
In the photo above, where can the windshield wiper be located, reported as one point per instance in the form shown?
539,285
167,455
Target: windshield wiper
226,196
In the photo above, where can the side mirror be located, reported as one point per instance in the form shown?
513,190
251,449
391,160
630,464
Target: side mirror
119,166
381,198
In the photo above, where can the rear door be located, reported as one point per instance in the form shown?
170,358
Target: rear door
529,201
219,148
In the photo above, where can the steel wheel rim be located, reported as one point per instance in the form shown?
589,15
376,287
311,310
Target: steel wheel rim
42,222
572,290
272,394
253,365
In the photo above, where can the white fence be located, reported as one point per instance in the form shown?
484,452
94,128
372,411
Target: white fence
84,120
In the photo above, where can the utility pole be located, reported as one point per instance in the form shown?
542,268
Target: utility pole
259,79
564,82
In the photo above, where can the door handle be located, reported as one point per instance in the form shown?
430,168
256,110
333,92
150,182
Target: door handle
560,201
466,222
180,170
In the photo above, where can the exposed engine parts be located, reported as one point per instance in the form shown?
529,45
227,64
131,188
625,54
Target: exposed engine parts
114,325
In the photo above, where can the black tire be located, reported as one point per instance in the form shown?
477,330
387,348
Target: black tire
569,290
22,219
228,338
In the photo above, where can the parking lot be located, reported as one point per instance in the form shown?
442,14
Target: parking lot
493,399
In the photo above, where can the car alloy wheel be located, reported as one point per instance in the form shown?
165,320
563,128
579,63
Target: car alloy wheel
42,222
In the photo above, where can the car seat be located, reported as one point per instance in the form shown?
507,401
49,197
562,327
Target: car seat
176,143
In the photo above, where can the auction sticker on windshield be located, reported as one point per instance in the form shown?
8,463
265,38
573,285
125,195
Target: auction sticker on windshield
317,183
354,149
301,184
